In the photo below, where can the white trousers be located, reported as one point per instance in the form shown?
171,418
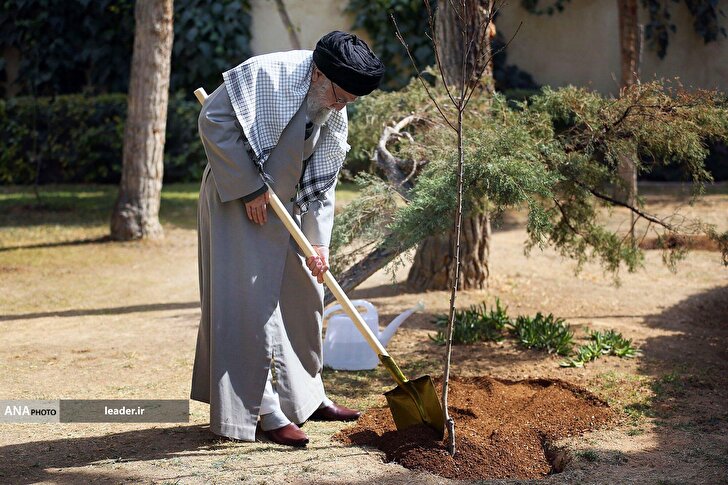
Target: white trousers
271,416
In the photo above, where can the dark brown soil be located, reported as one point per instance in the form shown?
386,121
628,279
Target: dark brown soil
503,429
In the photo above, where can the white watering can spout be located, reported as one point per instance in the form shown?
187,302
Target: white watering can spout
391,329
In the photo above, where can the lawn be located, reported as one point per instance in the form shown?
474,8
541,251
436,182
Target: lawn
75,212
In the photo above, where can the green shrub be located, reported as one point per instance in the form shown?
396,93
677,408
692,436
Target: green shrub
474,324
543,333
607,343
78,138
555,156
554,335
369,115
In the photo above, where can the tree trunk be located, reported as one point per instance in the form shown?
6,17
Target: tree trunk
630,45
433,263
434,258
629,40
290,28
449,42
136,212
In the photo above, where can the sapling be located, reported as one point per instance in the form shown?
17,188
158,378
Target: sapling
460,79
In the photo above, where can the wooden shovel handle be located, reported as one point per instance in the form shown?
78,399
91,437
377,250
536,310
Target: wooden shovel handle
308,251
333,285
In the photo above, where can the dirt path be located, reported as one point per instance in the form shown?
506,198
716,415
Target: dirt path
120,321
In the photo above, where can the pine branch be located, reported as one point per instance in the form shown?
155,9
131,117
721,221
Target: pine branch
635,210
370,264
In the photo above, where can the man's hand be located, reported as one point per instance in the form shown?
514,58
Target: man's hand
319,264
257,208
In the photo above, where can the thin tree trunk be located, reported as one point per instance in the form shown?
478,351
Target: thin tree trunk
628,41
136,212
454,278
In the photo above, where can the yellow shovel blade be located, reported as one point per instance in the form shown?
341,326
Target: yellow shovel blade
416,402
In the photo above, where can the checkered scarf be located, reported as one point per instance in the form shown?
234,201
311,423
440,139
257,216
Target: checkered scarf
266,91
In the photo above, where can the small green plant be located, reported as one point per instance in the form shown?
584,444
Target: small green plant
474,324
585,353
480,324
607,343
613,343
544,333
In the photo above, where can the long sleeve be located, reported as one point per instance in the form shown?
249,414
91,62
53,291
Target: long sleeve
236,176
318,222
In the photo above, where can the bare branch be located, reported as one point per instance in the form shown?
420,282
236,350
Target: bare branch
566,218
631,231
460,17
419,76
463,65
388,162
490,58
637,211
412,173
484,25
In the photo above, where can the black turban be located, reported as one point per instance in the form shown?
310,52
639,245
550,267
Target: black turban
349,62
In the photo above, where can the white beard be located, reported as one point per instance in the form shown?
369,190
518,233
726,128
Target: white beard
321,116
315,109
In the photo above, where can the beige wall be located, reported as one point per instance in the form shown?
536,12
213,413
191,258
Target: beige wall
580,46
313,18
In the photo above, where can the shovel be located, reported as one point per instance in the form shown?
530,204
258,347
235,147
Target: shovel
411,402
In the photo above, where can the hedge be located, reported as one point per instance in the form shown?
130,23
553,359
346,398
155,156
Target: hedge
76,138
70,46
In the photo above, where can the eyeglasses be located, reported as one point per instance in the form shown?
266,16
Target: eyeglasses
336,96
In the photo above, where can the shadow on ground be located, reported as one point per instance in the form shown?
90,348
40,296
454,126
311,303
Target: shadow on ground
78,242
153,307
87,459
46,460
688,371
690,366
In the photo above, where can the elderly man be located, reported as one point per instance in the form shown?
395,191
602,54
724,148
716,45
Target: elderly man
278,119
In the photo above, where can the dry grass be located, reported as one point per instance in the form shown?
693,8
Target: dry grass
111,320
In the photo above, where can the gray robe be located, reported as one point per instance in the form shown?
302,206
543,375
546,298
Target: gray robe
259,301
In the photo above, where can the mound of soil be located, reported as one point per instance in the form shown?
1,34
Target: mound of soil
693,242
503,429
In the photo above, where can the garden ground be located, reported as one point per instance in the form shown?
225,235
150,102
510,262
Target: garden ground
82,318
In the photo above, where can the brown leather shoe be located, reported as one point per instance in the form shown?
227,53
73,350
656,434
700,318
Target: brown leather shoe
290,435
335,413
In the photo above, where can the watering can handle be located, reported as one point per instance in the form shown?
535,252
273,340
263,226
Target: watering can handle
330,310
368,307
333,285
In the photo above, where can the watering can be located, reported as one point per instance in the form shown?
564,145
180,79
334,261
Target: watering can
345,348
